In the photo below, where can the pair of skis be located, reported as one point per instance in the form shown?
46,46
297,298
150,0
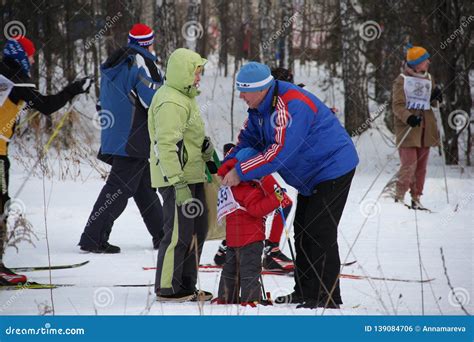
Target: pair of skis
204,268
215,268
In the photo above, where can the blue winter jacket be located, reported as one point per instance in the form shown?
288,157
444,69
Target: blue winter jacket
129,79
301,139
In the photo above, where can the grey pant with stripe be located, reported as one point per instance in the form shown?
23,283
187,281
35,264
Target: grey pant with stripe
241,274
185,227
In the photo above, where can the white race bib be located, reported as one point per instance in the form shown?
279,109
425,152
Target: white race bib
5,87
417,92
226,202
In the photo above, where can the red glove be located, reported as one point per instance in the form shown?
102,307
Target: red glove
226,167
270,185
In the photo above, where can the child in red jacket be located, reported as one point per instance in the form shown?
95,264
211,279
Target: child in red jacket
245,207
274,258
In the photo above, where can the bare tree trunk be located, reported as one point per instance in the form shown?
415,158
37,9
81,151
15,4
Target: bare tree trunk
147,12
166,28
356,111
116,34
266,30
195,29
48,27
223,10
452,73
202,43
288,16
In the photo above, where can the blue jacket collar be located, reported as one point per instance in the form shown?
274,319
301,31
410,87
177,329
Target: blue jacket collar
266,105
143,51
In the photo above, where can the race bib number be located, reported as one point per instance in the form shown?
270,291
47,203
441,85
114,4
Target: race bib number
5,87
417,93
226,202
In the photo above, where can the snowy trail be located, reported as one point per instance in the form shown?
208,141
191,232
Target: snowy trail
386,247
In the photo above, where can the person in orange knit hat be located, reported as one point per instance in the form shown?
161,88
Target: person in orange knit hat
413,94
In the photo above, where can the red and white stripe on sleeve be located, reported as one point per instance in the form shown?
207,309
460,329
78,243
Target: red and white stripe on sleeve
280,120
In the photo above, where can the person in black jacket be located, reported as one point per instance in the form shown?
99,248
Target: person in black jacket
129,79
16,93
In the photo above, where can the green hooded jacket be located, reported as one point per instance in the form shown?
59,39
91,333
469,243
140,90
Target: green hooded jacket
175,124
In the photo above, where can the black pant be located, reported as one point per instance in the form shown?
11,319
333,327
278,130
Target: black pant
185,228
5,177
317,252
4,198
241,274
129,177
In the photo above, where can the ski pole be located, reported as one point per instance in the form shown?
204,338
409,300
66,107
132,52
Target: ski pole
420,265
264,294
290,245
441,141
385,165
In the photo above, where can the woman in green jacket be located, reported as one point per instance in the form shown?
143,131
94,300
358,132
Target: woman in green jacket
179,151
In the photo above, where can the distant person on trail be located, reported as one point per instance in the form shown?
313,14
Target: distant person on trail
17,92
413,94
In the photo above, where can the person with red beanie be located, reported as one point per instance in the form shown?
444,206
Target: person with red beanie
129,78
17,92
245,206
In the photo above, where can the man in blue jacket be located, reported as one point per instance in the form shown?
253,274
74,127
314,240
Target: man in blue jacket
129,79
299,137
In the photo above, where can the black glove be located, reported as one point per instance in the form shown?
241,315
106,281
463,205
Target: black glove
212,167
79,87
436,94
414,120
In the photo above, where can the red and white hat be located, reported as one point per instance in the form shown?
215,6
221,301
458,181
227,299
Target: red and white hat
141,34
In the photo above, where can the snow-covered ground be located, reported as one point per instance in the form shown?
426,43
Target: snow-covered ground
385,246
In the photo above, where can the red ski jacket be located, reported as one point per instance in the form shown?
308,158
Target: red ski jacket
244,227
